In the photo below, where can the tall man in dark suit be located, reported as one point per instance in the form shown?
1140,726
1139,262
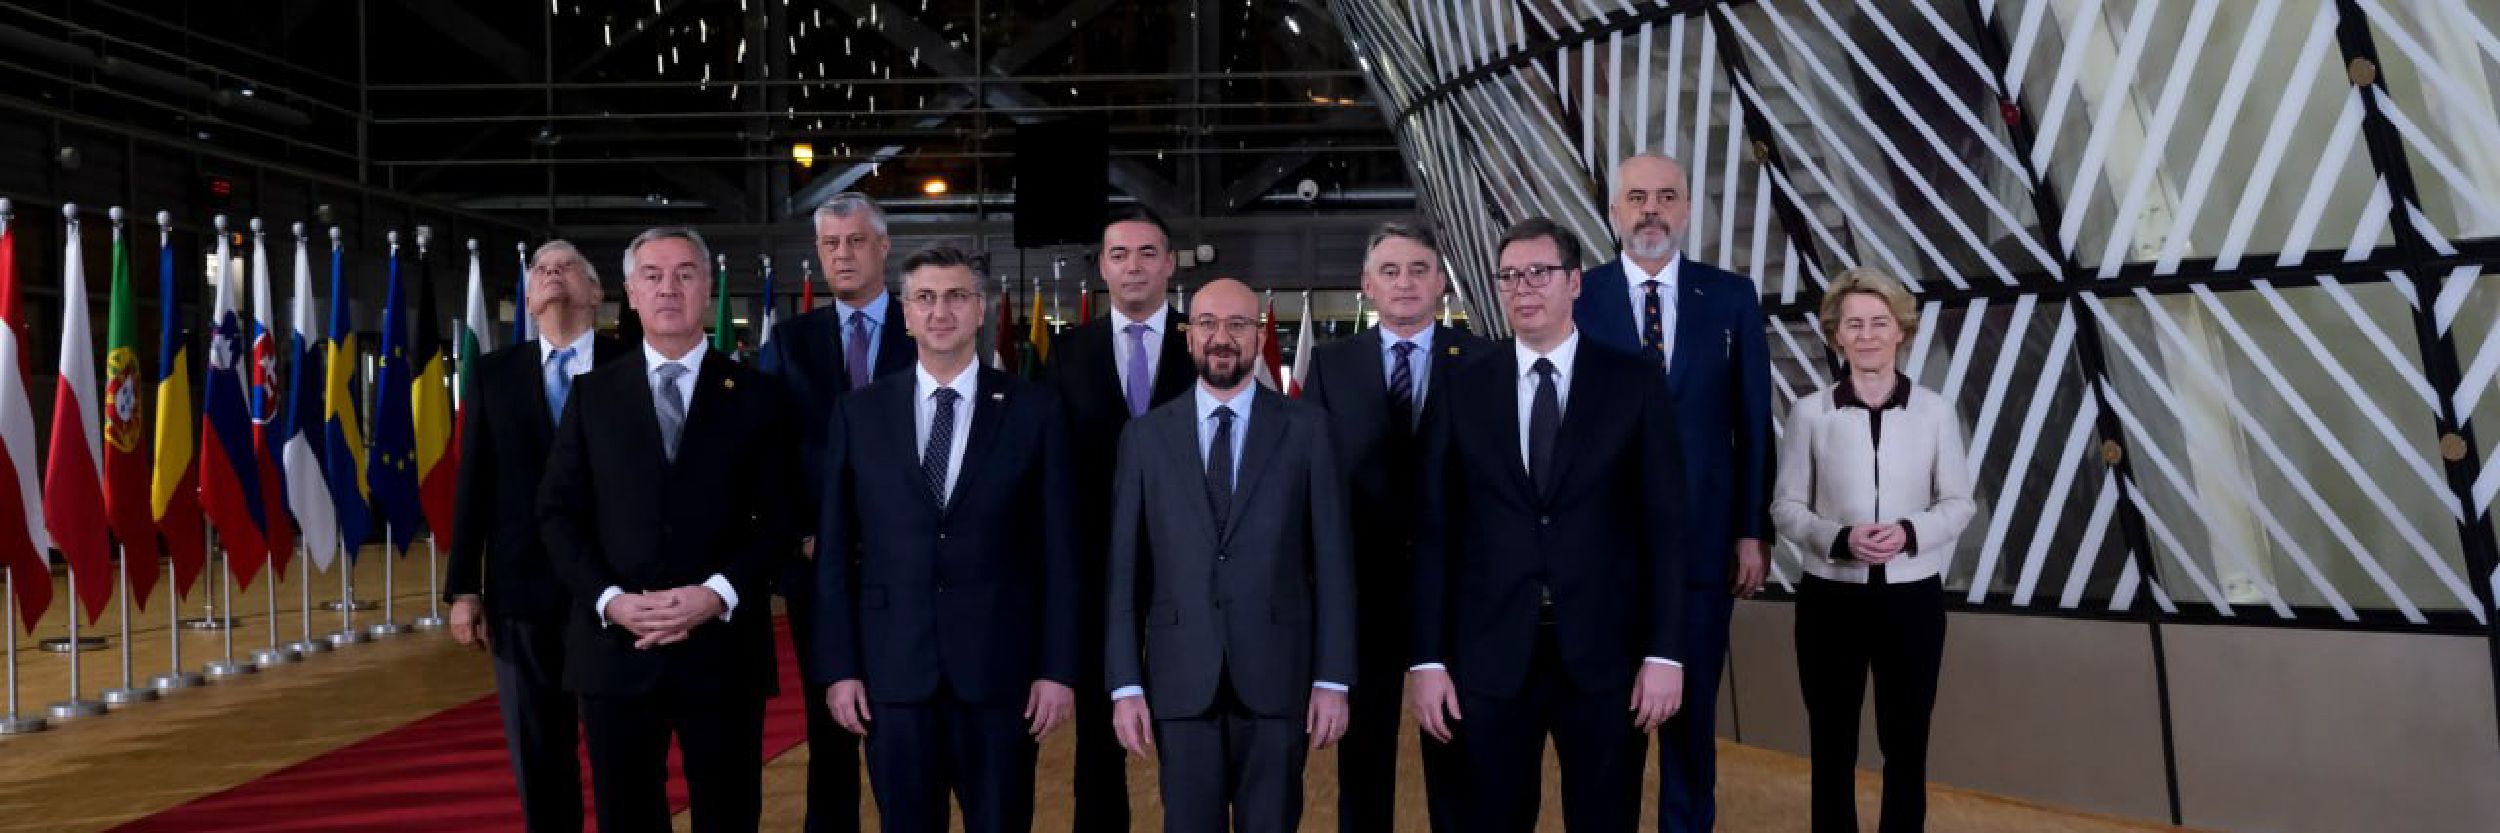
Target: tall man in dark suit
951,645
504,593
1703,328
1231,638
822,355
1549,573
1108,371
1377,389
666,509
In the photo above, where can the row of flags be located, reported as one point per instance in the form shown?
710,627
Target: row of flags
279,450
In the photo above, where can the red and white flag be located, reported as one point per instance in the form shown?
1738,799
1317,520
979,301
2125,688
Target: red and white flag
22,542
73,485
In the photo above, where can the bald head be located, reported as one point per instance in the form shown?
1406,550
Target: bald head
1649,207
1224,334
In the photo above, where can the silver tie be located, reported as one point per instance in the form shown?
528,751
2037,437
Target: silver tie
672,407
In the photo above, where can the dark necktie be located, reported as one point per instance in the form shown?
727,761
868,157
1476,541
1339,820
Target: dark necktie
1653,325
1402,381
1544,426
855,354
1220,466
941,441
671,407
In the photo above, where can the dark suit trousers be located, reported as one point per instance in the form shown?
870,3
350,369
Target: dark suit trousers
541,723
1844,631
833,752
1231,769
1600,751
1101,782
720,738
1367,759
920,752
1688,751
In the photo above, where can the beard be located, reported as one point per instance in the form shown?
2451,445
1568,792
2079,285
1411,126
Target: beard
1650,247
1228,377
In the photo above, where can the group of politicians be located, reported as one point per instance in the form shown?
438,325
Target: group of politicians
1509,542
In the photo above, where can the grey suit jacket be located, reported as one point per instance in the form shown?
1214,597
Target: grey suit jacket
1267,601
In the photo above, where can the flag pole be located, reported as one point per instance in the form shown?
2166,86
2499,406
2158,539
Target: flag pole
347,633
128,692
76,706
275,654
227,667
11,723
433,618
389,626
306,646
174,676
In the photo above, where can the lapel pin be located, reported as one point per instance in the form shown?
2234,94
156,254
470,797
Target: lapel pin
1453,349
728,383
998,396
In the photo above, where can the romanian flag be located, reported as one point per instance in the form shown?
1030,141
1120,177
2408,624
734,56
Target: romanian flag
22,542
73,479
125,455
342,424
429,398
173,485
229,481
392,472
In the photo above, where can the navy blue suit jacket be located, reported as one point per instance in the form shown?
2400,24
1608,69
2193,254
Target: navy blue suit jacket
806,352
1719,382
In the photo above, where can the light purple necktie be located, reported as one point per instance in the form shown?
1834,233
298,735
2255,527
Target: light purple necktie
1139,374
855,361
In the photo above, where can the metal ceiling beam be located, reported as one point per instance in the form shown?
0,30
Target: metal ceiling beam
1269,171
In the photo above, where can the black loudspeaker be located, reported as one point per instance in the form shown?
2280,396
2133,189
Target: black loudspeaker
1063,181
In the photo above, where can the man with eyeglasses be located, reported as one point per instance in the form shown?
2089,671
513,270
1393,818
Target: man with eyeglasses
1702,327
823,355
951,644
1107,372
1231,640
1548,567
1377,388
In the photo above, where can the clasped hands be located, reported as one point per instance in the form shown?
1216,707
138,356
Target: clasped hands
664,617
1877,543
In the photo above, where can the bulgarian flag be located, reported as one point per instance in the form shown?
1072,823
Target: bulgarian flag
22,542
125,460
73,484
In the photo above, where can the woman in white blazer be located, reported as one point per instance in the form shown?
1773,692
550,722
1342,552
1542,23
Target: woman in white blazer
1873,486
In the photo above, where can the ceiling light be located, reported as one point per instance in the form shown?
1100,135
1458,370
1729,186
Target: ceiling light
934,187
1290,23
804,154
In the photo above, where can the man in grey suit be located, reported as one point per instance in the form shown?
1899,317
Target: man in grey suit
1232,585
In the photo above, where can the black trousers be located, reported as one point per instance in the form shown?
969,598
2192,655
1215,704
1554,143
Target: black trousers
719,737
832,751
1600,751
1231,769
1688,745
1101,783
1367,758
920,752
541,723
1845,631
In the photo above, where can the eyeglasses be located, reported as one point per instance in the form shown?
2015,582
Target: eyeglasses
1535,276
1235,326
926,299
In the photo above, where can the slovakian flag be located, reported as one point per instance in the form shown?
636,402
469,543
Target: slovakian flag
22,541
393,470
342,425
429,399
173,484
229,480
73,482
125,454
268,432
307,493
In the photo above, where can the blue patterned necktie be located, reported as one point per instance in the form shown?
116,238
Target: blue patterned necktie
559,381
941,440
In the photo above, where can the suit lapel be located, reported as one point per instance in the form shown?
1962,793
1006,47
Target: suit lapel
894,346
715,388
1258,451
1692,329
1578,411
1180,435
642,408
1507,420
988,410
531,389
899,406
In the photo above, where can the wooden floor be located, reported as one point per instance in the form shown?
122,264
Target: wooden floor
98,772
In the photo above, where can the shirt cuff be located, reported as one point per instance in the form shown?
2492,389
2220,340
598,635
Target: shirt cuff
1840,547
1127,691
1660,661
1428,666
1339,688
728,595
1909,538
600,607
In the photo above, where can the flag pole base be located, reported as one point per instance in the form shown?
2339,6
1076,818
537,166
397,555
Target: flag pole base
211,623
344,605
177,679
126,696
266,657
75,709
224,669
15,725
350,636
427,623
307,647
63,644
387,629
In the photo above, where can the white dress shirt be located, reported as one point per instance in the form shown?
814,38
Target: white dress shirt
1421,360
577,364
966,383
693,363
1633,277
1155,330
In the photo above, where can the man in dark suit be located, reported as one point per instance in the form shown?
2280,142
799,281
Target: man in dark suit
1108,371
666,509
951,644
505,596
1377,389
822,355
1703,327
1232,585
1549,574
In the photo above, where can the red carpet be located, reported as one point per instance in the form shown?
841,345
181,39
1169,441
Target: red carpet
448,771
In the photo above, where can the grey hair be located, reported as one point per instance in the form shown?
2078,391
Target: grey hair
1418,232
1614,178
702,253
848,203
566,247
